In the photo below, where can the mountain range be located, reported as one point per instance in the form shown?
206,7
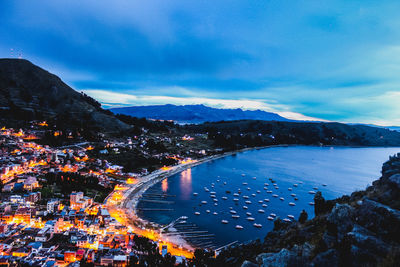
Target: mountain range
196,113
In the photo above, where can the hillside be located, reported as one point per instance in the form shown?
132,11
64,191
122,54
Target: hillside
232,133
196,113
29,92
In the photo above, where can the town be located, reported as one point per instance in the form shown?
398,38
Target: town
54,210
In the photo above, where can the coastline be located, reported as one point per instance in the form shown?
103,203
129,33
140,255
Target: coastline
124,207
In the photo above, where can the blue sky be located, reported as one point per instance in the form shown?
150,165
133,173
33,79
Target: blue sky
329,60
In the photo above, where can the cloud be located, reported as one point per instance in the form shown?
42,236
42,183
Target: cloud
334,60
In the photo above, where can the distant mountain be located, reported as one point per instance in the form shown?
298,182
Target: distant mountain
196,113
28,92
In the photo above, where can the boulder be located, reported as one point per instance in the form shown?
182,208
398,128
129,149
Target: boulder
282,258
341,217
395,180
249,264
367,241
329,258
380,219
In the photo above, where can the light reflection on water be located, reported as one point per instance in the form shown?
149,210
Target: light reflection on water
186,184
164,185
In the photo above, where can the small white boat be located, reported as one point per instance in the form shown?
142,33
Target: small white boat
253,195
275,195
232,212
254,178
215,200
270,218
266,199
281,198
235,199
292,204
257,225
272,215
224,182
184,217
212,196
208,211
236,194
287,220
264,205
207,190
212,193
248,213
265,188
239,227
276,187
266,184
261,211
215,213
260,201
247,202
197,213
244,183
295,185
245,207
204,202
230,208
291,217
243,174
212,186
217,181
290,189
315,188
311,203
224,198
324,184
269,191
250,218
311,192
275,184
235,216
293,195
258,191
300,182
246,197
195,194
224,221
215,204
248,188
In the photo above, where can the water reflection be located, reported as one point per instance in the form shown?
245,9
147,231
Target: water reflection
186,184
164,185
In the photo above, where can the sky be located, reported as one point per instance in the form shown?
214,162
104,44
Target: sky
314,60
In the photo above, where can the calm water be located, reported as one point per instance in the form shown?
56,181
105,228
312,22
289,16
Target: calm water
343,170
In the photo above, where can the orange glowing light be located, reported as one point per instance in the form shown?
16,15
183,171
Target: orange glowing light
166,168
131,180
44,123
